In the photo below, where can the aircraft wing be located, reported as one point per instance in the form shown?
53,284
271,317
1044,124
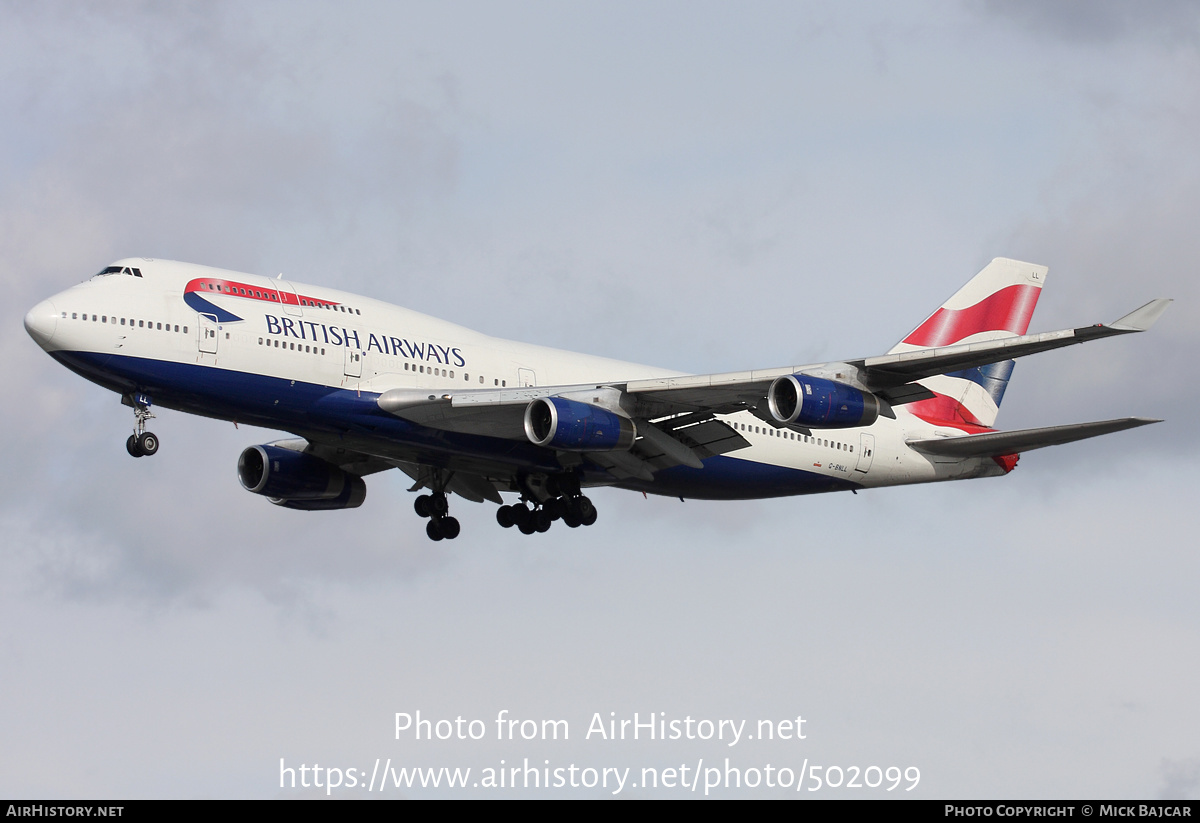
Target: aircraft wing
993,444
888,375
683,407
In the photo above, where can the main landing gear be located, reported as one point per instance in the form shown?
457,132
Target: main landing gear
553,498
441,525
574,511
141,443
544,499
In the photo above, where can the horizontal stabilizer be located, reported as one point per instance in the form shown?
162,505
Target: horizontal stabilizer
993,444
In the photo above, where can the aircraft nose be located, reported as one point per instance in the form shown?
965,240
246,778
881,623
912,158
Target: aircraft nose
40,322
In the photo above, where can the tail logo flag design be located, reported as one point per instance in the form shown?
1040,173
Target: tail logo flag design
1008,310
996,303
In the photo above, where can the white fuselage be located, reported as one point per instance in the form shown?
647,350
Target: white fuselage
260,350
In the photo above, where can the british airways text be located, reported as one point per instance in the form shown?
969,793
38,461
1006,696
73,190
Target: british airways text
385,344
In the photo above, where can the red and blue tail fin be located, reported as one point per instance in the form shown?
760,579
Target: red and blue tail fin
998,302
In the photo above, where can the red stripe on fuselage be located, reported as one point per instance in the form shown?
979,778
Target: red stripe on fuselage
232,288
1009,309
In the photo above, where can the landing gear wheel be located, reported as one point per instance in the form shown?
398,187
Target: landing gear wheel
433,530
147,443
449,527
504,517
438,505
421,505
131,446
587,512
521,517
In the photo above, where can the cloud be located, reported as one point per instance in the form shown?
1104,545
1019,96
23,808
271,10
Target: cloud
1169,22
743,190
1181,779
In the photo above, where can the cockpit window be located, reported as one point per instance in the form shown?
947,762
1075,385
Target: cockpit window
118,270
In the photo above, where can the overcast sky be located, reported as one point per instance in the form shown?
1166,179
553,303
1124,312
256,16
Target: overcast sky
700,186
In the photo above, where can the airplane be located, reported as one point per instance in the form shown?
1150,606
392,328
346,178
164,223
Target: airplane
364,386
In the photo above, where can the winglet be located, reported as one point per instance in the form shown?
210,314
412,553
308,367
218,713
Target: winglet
1143,318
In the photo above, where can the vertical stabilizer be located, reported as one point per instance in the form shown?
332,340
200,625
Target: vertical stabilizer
996,303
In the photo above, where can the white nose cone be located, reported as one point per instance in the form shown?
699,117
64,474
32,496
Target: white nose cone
41,322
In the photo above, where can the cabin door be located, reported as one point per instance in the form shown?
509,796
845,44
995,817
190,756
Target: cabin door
353,362
208,330
866,451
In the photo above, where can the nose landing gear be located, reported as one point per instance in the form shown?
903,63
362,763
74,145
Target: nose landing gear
141,443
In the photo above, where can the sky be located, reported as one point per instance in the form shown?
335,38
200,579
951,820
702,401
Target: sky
699,186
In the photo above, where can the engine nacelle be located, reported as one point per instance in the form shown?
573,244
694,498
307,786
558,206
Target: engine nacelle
299,481
820,403
569,425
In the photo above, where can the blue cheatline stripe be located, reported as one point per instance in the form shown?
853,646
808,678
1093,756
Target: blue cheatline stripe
305,409
309,409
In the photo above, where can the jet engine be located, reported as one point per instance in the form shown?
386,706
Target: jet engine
820,403
569,425
296,480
